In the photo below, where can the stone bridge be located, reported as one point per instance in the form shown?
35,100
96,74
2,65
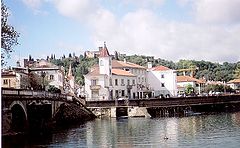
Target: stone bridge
167,102
167,106
22,109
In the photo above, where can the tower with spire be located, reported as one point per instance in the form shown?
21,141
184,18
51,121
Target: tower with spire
71,79
105,61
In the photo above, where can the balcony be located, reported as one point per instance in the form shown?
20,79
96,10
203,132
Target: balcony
95,87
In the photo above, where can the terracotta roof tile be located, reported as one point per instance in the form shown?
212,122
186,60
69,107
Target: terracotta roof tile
121,72
188,79
94,72
121,64
104,52
160,68
234,81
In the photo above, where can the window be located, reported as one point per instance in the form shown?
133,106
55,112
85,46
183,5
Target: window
139,79
162,76
127,69
133,82
51,77
94,82
110,81
122,82
142,79
101,62
162,84
116,93
128,82
116,82
123,93
5,81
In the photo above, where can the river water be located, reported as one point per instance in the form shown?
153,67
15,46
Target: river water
221,130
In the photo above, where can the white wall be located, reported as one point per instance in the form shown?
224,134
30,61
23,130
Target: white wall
105,65
102,80
155,81
121,87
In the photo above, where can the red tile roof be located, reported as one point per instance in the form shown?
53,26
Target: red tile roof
121,72
188,79
234,81
104,51
94,72
121,64
160,68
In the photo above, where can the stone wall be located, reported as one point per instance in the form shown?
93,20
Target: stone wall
72,114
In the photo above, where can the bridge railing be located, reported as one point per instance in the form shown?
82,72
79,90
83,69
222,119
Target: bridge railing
21,93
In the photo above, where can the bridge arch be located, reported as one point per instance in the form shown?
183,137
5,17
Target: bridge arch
18,116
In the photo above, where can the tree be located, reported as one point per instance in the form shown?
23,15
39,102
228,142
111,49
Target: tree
237,71
35,81
189,89
9,36
54,89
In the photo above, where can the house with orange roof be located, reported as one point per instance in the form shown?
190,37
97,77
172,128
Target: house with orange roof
184,81
234,84
162,80
110,79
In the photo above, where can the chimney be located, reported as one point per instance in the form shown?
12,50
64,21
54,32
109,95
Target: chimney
149,65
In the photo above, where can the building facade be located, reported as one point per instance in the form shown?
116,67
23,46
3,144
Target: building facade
234,84
114,79
13,79
184,81
110,80
162,81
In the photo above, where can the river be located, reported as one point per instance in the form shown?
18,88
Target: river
219,130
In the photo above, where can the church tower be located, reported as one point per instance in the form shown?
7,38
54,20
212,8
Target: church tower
71,79
105,61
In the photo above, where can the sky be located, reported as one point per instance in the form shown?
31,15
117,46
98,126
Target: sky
168,29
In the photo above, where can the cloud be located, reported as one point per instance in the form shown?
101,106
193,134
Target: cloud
144,3
33,4
143,32
76,9
217,11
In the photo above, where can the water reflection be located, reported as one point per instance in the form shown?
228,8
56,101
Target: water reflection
221,130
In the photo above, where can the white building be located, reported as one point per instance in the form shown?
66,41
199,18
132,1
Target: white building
52,74
113,79
162,81
141,76
184,81
234,84
13,79
110,79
